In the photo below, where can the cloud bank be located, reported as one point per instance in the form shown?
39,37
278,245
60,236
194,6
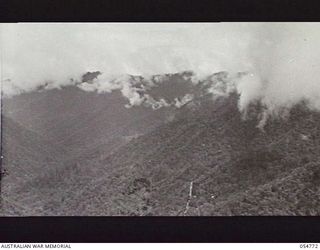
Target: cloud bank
281,59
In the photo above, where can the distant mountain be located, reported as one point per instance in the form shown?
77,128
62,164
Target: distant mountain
89,155
69,127
78,121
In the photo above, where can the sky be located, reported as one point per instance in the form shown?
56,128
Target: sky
282,58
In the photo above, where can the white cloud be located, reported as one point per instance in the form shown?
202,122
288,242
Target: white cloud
282,58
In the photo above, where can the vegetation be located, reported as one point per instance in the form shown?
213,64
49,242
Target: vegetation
79,162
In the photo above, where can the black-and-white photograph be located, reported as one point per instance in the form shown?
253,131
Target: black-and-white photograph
160,119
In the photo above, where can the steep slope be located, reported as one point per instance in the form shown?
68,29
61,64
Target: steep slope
110,160
234,168
78,121
51,139
25,155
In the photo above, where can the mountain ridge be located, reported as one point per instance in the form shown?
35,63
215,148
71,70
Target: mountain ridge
157,156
